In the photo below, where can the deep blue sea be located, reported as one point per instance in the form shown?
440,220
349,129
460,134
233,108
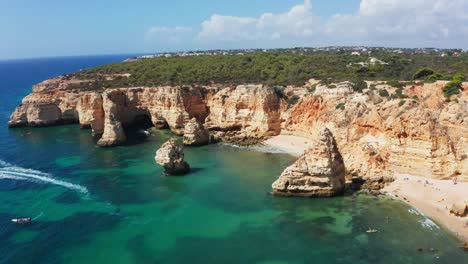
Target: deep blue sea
93,205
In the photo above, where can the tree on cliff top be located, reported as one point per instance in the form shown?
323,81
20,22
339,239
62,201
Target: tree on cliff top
423,73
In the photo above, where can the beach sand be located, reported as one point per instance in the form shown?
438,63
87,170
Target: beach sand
293,145
432,197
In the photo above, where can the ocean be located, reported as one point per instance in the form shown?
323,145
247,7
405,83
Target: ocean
94,205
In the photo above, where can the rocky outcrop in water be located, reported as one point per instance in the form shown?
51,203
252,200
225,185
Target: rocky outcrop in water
171,157
114,133
195,134
320,172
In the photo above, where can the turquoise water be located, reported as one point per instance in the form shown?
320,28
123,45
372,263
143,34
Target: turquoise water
94,205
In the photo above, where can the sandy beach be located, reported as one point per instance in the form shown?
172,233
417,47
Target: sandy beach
293,145
434,198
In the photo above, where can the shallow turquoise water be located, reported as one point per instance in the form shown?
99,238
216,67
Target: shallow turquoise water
96,205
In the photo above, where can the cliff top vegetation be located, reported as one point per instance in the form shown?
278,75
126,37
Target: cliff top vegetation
272,68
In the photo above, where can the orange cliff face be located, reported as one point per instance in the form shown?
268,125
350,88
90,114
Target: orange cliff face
425,136
376,135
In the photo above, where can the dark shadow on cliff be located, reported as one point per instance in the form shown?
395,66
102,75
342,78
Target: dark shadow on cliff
138,132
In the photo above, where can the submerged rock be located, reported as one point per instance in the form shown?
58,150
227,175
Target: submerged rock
319,172
171,157
195,134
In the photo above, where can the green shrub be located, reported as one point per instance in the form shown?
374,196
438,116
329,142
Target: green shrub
292,100
313,88
384,93
423,73
340,106
402,103
451,88
359,85
459,77
434,77
396,84
399,94
279,91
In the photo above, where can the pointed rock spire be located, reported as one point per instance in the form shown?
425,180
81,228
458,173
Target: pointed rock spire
320,172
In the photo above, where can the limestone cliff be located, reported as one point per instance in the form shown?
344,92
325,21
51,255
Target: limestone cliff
416,134
253,109
114,133
195,134
320,172
420,135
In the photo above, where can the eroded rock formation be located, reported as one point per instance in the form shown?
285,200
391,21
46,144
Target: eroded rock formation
320,172
252,110
378,136
195,134
114,133
171,157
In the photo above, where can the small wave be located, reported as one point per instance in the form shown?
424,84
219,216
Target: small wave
414,211
258,148
428,223
425,222
268,149
9,171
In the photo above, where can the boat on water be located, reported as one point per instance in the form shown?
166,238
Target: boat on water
24,220
370,230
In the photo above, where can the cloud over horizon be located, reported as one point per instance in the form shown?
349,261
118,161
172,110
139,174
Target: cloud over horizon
403,23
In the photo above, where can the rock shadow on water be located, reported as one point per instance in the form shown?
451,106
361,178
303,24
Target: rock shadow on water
54,238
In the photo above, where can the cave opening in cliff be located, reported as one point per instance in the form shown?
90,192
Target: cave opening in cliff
137,131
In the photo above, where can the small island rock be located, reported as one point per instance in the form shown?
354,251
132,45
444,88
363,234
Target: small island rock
171,157
319,172
195,134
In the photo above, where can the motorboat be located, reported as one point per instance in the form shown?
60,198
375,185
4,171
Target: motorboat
24,220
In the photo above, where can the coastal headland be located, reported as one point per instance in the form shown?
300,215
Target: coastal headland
382,131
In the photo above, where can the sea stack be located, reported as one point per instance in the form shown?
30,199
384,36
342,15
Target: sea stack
319,172
171,157
114,133
195,134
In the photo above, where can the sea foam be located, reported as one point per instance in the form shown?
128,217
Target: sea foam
9,171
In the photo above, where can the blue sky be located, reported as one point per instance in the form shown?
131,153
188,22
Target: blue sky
32,28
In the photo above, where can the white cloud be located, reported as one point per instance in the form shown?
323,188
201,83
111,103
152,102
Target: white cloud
415,22
412,23
168,35
297,24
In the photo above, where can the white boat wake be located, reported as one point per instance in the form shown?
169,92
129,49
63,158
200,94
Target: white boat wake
9,171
